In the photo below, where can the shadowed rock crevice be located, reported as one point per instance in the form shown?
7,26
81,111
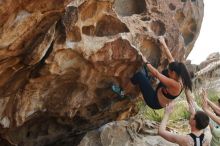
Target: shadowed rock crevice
192,25
145,18
89,30
73,33
188,31
70,17
12,84
158,27
46,131
36,70
179,16
172,6
52,131
129,7
4,142
188,36
109,25
39,45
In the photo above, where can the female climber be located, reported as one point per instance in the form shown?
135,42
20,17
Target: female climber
172,81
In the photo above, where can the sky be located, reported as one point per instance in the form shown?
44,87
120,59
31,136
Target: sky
209,37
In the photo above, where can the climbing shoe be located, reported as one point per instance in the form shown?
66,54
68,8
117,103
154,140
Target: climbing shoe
118,90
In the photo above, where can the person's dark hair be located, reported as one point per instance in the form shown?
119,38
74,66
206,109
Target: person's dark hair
202,120
182,72
219,101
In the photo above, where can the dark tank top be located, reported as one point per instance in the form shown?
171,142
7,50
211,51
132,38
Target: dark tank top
164,90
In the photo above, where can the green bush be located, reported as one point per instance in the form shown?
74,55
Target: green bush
213,95
149,113
179,113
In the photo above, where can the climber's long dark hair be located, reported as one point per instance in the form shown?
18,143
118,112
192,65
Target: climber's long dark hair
182,72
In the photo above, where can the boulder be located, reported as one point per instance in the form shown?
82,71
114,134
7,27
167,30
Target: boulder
132,132
59,59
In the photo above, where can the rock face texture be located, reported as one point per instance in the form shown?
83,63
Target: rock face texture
207,73
133,132
59,58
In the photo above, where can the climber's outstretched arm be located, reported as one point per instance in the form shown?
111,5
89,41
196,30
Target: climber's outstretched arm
168,82
166,50
214,107
205,106
174,138
189,96
210,113
152,69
